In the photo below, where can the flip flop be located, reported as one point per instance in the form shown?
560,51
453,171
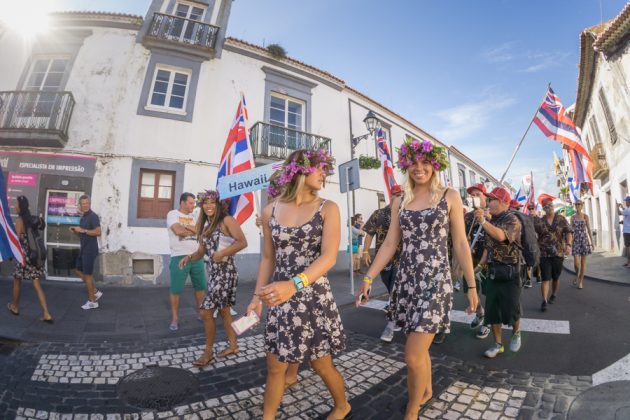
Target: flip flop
13,311
173,326
48,321
289,385
199,363
228,351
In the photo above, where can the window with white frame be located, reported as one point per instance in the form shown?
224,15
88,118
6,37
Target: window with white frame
169,89
473,177
185,29
287,115
46,75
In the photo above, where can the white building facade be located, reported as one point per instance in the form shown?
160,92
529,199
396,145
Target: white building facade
602,112
134,111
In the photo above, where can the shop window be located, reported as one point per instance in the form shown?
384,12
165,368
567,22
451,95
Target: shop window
156,190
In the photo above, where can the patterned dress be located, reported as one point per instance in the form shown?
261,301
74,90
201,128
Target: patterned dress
307,326
222,277
28,271
423,293
581,243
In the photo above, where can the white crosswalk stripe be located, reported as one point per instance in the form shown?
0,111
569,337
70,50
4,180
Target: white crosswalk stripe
548,326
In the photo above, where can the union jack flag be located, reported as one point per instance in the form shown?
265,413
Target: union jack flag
554,122
237,157
9,242
386,161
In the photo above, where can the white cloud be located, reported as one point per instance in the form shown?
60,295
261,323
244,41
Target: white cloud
464,120
544,61
500,54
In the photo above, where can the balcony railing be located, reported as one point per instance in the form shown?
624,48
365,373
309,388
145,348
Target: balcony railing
600,164
276,142
35,118
182,32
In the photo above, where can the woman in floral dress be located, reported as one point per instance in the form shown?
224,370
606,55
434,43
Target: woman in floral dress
27,271
214,222
301,239
422,295
582,243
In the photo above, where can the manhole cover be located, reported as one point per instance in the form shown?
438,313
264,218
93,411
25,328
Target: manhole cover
603,402
157,388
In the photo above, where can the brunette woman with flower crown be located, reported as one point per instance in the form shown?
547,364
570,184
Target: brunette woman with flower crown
301,241
220,238
422,295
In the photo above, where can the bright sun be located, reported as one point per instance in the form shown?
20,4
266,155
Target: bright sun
26,17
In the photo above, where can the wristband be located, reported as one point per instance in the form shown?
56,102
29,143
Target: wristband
304,279
471,287
299,283
367,279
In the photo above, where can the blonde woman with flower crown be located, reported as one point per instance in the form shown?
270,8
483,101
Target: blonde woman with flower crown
422,295
301,240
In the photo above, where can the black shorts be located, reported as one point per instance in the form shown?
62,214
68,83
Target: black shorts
550,268
503,301
626,239
85,263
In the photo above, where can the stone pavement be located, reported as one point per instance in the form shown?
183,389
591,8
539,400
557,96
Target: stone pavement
605,266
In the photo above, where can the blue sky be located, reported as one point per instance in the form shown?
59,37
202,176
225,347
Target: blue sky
471,73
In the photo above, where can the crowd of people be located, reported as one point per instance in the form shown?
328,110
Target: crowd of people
422,239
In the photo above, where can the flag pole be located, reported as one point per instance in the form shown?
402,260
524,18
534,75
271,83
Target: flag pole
509,165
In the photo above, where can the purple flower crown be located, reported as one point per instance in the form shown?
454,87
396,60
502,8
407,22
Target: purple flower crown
310,162
212,195
413,150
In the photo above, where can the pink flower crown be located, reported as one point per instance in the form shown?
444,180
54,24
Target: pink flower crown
413,150
310,162
212,195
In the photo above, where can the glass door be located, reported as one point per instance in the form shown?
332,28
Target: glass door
185,29
42,101
62,213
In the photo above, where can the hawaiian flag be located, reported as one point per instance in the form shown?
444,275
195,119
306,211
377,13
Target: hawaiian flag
386,161
237,157
554,122
9,242
574,188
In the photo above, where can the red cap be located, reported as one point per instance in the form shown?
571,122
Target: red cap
515,204
545,199
531,205
396,189
500,194
478,187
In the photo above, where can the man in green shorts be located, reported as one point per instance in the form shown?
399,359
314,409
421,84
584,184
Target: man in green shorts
183,241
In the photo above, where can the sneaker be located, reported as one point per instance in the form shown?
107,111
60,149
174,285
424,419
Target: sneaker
483,332
552,299
543,307
515,342
98,294
90,305
397,328
538,280
457,286
477,321
494,351
528,284
233,312
388,333
439,337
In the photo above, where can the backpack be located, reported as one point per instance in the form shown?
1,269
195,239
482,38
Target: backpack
36,253
529,240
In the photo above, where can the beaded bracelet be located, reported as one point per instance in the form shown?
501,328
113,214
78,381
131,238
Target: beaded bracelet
367,279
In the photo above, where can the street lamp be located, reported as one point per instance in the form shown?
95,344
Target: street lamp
371,122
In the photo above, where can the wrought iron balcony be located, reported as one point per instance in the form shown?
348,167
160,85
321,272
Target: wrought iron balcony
181,34
35,118
274,142
600,164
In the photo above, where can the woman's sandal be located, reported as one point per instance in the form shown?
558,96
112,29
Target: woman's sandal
288,385
201,362
47,321
12,310
228,351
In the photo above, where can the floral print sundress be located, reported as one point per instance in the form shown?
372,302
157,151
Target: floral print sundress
307,326
423,292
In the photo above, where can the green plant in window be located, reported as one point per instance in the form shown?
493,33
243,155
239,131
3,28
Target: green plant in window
277,51
369,162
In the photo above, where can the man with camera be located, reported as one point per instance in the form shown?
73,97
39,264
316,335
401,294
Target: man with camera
502,255
555,239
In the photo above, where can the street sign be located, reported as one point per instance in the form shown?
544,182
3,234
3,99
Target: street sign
349,176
